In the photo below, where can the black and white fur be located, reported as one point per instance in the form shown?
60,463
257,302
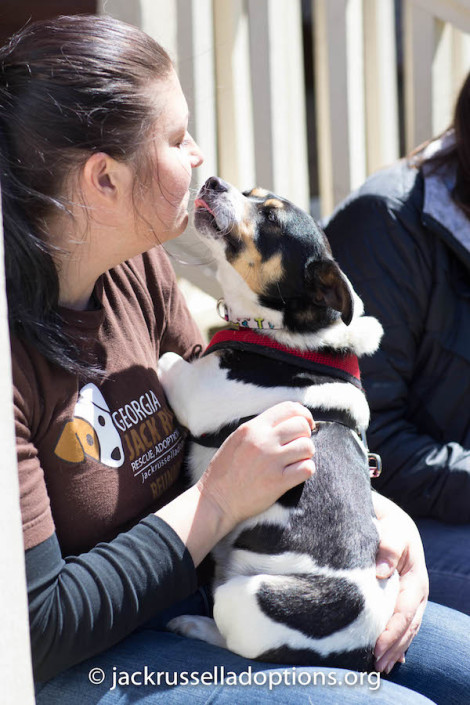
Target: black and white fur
296,584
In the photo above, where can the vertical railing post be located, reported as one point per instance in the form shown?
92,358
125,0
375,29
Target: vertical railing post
331,95
234,95
15,657
418,54
279,117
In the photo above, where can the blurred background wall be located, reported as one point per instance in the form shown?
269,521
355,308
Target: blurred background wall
303,97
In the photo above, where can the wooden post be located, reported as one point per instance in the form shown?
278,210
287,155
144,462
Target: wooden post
277,76
331,81
16,676
234,97
381,84
419,45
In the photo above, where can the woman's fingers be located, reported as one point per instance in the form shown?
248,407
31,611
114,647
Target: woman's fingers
401,550
295,427
400,632
297,450
298,472
284,411
392,545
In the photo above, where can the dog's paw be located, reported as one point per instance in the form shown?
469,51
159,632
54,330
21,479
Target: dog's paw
166,363
365,335
197,627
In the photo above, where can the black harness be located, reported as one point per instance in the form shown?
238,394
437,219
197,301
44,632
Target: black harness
343,367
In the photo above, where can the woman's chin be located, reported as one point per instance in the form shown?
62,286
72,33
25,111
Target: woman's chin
180,227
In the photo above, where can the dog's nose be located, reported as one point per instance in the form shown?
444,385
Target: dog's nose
216,184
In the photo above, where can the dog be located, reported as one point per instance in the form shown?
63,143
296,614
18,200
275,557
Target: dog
296,584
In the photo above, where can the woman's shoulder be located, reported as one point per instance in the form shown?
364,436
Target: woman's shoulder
396,187
388,206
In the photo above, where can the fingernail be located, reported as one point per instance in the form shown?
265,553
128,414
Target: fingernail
389,667
379,664
378,654
383,569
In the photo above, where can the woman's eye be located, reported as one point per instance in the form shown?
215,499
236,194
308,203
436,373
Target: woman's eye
183,141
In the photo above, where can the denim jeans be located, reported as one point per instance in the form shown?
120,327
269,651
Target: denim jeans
447,551
436,671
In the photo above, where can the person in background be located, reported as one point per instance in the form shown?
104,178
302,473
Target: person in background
95,164
404,241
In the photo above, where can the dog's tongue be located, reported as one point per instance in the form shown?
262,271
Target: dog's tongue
199,203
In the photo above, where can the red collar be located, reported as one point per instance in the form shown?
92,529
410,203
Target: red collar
346,366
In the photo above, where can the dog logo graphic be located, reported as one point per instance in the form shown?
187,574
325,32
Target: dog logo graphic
91,432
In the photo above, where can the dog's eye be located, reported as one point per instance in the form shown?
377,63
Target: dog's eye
270,214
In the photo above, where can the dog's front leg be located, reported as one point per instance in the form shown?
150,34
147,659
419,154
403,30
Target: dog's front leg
177,377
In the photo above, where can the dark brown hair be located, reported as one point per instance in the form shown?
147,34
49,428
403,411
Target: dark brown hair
69,86
458,154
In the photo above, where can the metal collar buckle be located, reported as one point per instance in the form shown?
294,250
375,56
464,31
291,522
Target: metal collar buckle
375,465
375,461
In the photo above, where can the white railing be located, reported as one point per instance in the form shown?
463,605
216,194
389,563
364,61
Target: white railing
16,674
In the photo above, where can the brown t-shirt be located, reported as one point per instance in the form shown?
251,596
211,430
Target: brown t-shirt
96,455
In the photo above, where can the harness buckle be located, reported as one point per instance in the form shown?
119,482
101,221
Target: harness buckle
375,465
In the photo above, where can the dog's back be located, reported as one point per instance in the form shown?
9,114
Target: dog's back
298,584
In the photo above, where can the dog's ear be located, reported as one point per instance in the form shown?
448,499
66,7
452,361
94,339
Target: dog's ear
329,287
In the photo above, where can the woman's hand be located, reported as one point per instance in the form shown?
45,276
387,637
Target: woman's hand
260,461
400,549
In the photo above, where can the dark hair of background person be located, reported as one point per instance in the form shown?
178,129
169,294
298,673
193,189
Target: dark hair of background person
458,154
69,86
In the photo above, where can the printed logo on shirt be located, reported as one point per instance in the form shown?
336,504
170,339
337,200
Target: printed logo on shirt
91,432
141,430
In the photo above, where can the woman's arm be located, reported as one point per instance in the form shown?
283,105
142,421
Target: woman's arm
85,604
380,244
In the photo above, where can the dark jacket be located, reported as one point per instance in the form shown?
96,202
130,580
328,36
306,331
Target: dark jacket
403,243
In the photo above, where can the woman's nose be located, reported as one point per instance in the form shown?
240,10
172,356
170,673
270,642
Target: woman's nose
197,157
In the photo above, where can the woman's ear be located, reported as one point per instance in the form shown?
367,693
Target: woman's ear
102,177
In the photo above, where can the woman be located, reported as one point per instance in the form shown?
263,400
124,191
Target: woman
404,240
96,164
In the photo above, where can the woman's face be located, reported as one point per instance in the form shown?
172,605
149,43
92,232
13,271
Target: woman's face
173,155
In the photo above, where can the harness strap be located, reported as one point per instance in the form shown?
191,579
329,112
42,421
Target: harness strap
320,416
215,439
345,367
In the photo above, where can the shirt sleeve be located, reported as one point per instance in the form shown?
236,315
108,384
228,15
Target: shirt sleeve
390,265
82,605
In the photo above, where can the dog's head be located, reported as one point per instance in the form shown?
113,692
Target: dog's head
278,258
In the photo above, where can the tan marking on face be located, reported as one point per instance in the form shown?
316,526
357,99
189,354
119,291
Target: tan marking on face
257,273
258,192
273,203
